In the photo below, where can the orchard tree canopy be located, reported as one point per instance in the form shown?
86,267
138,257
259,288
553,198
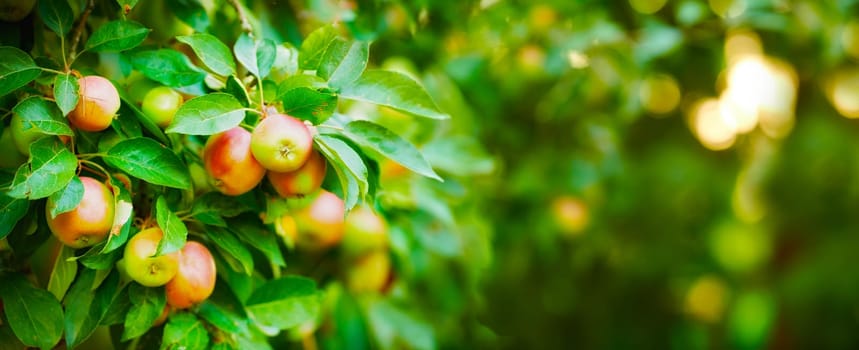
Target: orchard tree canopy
321,174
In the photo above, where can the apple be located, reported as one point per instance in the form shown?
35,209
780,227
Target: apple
15,10
10,157
228,159
286,227
199,178
143,265
89,222
369,273
302,181
97,106
364,231
281,143
24,138
195,280
160,105
320,224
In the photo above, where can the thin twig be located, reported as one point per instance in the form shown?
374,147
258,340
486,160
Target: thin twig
243,17
76,36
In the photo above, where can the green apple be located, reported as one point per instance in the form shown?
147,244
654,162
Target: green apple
281,143
160,105
364,231
10,157
24,137
143,265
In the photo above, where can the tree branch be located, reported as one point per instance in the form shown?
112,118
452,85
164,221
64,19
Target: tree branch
243,17
76,35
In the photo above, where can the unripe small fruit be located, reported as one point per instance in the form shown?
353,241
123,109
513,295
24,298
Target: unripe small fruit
320,224
370,273
364,231
89,222
160,105
10,157
141,263
281,143
24,138
228,159
303,181
195,280
97,106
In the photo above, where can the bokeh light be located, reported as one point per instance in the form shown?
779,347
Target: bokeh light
712,129
659,94
844,92
706,298
647,6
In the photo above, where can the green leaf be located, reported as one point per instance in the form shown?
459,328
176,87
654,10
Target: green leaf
223,319
64,273
237,89
51,168
115,36
207,115
386,142
284,303
309,104
35,316
45,116
211,207
348,165
175,232
460,156
212,52
87,302
255,55
149,161
185,331
146,305
260,238
130,3
315,47
122,217
344,62
67,198
147,123
66,92
395,90
168,67
191,12
394,327
57,15
11,211
16,69
234,249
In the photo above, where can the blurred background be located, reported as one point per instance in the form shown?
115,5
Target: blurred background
620,174
636,174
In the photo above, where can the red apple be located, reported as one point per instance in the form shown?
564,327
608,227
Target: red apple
97,106
228,159
89,222
303,181
195,280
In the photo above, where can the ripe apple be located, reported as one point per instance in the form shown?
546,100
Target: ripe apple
302,181
89,222
369,273
281,143
160,105
228,159
195,280
97,106
24,138
364,231
141,263
10,157
320,224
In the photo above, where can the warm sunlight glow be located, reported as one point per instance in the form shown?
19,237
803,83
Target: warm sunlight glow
659,94
712,129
